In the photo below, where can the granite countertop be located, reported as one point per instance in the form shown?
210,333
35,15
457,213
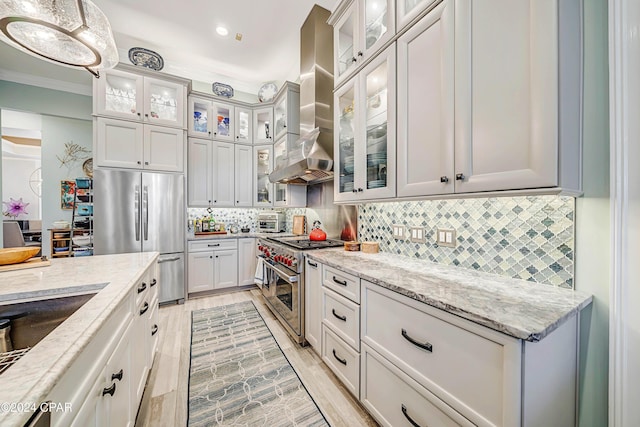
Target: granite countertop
31,379
522,309
237,236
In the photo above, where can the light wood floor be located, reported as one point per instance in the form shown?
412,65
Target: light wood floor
165,398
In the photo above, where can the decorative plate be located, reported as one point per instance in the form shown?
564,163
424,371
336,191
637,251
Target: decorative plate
222,89
146,58
87,167
267,92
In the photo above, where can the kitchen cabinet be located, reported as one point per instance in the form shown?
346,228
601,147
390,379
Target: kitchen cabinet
263,125
361,29
287,195
119,396
212,264
130,145
262,167
200,172
246,261
364,142
286,110
408,10
243,187
139,98
225,269
146,302
244,125
223,174
313,304
210,119
201,270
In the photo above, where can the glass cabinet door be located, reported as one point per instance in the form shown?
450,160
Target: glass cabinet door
345,44
377,24
263,188
280,115
345,138
120,95
280,160
243,125
199,118
263,125
409,9
163,102
223,121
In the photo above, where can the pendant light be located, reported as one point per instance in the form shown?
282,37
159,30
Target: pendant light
74,33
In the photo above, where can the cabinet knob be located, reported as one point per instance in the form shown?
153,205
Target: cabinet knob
215,201
139,162
211,257
238,201
354,191
117,376
146,115
284,126
237,136
109,390
209,132
146,163
216,256
353,60
214,134
359,190
459,177
444,179
139,114
360,53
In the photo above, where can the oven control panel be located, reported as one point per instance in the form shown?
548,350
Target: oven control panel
278,256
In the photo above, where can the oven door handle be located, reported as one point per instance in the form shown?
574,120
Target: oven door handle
288,277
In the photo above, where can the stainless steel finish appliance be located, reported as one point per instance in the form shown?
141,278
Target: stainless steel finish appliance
271,222
142,212
284,279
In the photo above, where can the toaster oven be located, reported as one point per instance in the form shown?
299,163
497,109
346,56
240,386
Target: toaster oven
271,222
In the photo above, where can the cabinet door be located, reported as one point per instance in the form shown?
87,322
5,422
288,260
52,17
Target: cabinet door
506,101
243,169
223,121
246,261
263,125
280,115
262,166
122,405
345,122
200,271
200,117
163,103
223,174
345,41
313,304
407,10
425,105
376,21
91,410
376,154
119,94
225,269
200,183
244,124
119,144
140,357
163,148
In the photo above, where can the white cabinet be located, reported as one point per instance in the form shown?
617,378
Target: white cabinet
212,264
262,166
199,172
426,104
286,195
407,10
286,110
364,142
225,269
361,28
210,119
131,145
243,186
313,304
263,125
118,393
246,261
244,125
223,174
140,98
201,268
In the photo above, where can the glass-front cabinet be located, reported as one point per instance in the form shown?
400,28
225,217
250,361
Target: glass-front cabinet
163,102
407,10
345,44
280,115
365,134
210,119
263,125
223,121
287,195
263,165
244,124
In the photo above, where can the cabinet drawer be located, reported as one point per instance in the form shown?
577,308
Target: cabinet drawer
342,360
213,245
392,397
342,316
470,372
143,289
343,283
154,333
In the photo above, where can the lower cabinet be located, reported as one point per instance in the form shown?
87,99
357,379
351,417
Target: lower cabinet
313,304
246,261
225,269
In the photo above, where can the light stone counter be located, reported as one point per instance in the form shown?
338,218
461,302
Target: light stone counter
519,308
33,377
238,236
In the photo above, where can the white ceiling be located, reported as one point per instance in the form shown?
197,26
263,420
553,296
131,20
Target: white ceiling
183,33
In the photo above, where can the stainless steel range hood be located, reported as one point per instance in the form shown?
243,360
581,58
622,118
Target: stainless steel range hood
310,161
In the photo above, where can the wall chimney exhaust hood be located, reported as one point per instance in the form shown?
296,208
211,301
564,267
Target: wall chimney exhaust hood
310,160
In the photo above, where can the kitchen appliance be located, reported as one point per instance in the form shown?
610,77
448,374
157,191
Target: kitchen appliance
283,287
141,212
271,222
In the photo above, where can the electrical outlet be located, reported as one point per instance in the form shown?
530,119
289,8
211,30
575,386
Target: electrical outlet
418,235
446,237
398,232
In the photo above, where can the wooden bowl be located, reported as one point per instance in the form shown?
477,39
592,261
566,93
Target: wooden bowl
16,255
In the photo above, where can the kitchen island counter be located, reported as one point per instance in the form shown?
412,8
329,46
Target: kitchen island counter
521,309
110,277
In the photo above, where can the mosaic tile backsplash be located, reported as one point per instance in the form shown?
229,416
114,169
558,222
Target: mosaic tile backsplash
243,216
530,238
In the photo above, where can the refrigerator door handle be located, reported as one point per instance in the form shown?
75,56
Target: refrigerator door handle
145,206
136,212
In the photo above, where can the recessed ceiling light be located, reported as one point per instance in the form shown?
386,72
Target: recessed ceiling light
239,36
222,31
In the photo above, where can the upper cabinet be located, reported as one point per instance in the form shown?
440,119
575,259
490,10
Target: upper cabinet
407,10
244,125
286,111
211,119
263,125
361,28
263,165
136,97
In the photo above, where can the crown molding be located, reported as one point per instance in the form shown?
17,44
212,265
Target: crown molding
32,80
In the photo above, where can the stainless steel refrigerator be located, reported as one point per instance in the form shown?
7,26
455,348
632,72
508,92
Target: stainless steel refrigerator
142,212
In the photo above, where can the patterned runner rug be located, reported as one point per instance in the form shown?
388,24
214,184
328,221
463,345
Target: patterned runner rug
239,375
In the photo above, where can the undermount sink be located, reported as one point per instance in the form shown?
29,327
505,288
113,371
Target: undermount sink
31,321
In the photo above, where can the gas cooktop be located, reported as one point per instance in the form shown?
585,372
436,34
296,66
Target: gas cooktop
304,243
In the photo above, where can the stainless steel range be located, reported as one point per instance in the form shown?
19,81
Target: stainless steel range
283,286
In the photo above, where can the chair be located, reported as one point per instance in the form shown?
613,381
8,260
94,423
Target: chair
12,235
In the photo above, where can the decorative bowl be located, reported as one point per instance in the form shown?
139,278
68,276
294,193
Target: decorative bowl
82,240
62,249
61,224
16,255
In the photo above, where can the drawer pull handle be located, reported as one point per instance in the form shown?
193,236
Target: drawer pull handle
314,265
117,376
426,346
109,390
343,318
343,361
154,282
145,307
404,412
142,287
154,330
214,246
340,282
